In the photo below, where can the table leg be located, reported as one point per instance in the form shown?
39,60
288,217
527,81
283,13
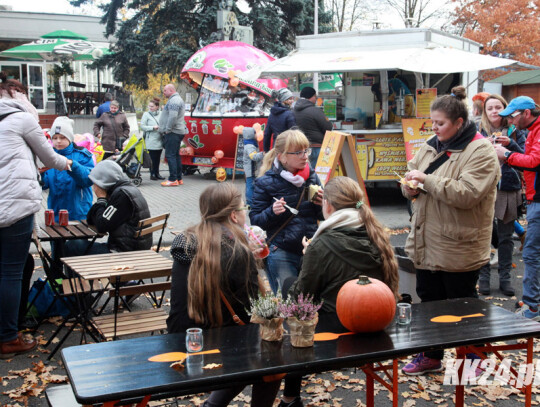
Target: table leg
528,386
395,388
370,386
460,389
116,298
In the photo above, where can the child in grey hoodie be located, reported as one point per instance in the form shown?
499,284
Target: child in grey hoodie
252,156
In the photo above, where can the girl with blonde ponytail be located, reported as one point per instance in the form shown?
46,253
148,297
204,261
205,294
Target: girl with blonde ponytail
210,259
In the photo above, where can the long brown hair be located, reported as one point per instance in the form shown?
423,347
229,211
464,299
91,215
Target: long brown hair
343,192
216,204
485,123
289,140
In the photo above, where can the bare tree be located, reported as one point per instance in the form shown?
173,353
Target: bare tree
347,15
416,13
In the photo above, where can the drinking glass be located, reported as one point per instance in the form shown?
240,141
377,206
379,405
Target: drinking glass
404,313
194,340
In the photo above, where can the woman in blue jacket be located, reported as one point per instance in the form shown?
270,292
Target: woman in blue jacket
72,189
286,176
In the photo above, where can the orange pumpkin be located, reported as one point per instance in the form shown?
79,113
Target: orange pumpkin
218,154
365,305
214,160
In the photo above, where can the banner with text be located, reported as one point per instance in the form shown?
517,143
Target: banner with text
415,133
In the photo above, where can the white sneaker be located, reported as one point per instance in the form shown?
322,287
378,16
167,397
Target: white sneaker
494,262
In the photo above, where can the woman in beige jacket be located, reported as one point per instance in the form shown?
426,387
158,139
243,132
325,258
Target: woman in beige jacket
453,215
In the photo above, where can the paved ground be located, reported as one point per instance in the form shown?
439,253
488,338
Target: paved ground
343,388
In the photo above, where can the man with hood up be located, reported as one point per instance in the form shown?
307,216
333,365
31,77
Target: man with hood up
119,208
312,121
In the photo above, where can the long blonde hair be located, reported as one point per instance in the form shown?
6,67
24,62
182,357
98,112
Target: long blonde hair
289,140
343,192
216,203
485,124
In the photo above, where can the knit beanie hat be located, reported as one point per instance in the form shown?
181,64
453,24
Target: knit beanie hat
63,125
282,95
106,174
307,93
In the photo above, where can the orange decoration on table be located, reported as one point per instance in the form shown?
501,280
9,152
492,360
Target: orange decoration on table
175,356
453,318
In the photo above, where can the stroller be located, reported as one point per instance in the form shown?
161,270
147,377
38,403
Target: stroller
132,158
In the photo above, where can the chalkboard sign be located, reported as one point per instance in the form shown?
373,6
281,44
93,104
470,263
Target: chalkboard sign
239,155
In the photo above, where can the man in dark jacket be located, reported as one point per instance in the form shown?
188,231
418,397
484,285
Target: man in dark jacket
119,208
281,118
312,121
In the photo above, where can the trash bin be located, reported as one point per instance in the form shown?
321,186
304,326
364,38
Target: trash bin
407,274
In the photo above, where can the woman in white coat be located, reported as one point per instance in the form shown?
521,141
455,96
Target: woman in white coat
20,197
152,137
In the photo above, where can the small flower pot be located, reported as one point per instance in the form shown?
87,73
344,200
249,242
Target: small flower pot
302,332
270,329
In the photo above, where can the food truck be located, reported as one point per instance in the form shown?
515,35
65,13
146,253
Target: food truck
389,79
225,100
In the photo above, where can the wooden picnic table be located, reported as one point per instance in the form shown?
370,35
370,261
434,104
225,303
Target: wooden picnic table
120,267
122,370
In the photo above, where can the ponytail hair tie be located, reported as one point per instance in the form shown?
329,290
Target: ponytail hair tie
359,204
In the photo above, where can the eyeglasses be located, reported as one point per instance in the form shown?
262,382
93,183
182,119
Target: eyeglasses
516,113
244,208
306,152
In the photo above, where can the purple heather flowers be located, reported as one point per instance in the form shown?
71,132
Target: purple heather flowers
303,308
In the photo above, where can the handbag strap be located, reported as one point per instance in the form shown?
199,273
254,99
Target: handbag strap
288,220
235,317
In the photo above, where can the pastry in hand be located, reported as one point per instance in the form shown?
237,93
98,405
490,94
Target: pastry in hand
313,192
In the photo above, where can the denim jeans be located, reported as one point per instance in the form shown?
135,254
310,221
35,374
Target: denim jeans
531,256
249,191
14,246
314,156
171,142
78,247
282,265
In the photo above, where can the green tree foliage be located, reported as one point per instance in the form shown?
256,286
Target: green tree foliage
159,36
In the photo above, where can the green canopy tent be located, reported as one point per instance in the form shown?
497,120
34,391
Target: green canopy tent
58,46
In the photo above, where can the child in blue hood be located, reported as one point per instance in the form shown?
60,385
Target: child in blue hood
71,190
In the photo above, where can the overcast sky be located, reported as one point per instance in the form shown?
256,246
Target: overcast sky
63,7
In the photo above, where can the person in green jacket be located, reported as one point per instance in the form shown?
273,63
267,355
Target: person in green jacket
350,242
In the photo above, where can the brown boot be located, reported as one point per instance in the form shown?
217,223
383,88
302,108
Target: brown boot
522,240
16,346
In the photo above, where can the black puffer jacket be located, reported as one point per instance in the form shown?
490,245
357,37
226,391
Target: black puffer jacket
333,258
239,282
311,120
119,216
281,118
272,185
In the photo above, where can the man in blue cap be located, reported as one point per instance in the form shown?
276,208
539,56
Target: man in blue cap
523,113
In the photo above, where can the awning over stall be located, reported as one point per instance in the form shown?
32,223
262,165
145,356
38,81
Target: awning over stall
425,60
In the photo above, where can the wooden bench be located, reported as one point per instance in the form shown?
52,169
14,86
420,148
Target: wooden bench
129,323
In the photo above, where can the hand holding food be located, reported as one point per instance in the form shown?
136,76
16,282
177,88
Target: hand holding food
305,242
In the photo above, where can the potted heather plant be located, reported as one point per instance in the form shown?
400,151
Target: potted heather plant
265,312
302,318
